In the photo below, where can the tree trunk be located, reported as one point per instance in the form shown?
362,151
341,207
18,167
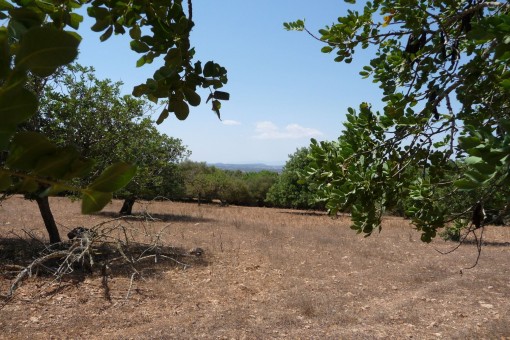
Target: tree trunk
127,207
47,216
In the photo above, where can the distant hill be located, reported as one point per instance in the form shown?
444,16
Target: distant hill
248,167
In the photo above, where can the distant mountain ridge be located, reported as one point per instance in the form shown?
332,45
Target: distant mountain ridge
255,167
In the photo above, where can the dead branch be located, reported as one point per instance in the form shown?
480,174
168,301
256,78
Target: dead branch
478,241
104,283
27,271
105,246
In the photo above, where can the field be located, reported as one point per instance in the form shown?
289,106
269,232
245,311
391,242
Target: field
265,274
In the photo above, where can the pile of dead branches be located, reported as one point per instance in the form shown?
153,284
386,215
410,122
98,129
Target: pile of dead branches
110,245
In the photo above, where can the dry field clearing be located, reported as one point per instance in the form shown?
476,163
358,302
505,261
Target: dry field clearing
267,274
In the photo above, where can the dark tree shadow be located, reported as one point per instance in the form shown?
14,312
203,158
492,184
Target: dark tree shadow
488,243
306,213
156,216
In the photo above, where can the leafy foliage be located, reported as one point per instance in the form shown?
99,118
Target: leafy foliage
206,183
289,191
442,67
80,110
34,40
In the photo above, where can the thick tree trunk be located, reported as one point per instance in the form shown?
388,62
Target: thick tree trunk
127,207
49,221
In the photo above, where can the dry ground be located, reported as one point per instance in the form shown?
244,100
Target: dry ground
268,273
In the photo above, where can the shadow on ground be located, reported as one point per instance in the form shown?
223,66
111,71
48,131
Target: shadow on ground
156,216
305,213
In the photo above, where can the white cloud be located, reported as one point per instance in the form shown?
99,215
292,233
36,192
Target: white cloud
268,130
230,122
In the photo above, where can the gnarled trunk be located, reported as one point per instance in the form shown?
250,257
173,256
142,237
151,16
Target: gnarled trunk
127,206
47,216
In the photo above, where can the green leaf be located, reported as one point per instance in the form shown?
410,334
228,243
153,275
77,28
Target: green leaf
426,237
162,116
28,185
5,181
74,20
505,84
6,133
135,32
101,24
17,106
216,106
57,164
473,160
5,55
326,49
465,184
54,190
138,46
179,107
79,168
469,142
45,6
140,90
26,150
93,201
191,96
141,61
4,5
113,178
43,49
107,34
174,56
221,95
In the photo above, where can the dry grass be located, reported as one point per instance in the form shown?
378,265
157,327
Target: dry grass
269,273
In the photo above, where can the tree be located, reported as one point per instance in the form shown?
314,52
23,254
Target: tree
91,114
289,191
34,41
79,112
154,154
196,179
259,184
443,69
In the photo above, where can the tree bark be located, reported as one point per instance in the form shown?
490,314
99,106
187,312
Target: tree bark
47,216
127,206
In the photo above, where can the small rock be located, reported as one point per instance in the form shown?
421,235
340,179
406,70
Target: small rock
486,305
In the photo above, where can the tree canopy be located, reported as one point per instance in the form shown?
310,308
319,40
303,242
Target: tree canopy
443,69
37,37
79,110
289,191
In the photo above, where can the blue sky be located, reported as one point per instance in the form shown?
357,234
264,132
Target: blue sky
284,91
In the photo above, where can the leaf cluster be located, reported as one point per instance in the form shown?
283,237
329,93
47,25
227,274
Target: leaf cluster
35,41
443,71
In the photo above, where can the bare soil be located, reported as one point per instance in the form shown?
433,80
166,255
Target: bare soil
265,274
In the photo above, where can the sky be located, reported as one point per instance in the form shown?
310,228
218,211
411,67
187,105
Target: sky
283,89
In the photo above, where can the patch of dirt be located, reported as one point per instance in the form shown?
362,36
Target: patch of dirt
266,274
